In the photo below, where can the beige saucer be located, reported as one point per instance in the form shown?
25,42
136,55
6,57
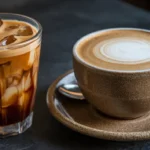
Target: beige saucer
82,117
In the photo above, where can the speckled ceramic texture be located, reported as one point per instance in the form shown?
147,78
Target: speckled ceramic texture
82,117
115,93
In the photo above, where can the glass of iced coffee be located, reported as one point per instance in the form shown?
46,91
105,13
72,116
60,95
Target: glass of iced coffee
20,42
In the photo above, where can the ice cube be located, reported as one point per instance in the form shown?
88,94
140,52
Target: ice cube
29,60
24,31
21,99
12,27
10,96
28,95
20,87
22,63
27,81
7,40
24,98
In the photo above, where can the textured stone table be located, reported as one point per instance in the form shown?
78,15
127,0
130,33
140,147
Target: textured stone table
64,21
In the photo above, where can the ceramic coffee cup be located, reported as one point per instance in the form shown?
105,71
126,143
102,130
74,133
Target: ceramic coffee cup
119,93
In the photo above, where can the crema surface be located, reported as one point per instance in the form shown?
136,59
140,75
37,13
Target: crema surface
117,50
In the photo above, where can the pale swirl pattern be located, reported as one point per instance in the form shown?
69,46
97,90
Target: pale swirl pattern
123,50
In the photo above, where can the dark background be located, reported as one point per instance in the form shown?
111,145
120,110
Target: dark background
64,22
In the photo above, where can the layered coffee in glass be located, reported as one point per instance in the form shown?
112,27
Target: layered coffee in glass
20,42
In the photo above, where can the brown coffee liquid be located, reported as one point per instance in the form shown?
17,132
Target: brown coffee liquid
18,72
126,50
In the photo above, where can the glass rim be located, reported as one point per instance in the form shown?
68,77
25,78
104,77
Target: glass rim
28,41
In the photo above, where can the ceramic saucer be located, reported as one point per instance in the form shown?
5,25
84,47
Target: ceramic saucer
82,117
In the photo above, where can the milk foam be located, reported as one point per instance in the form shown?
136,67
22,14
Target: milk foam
123,50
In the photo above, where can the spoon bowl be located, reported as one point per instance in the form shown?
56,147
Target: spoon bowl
71,91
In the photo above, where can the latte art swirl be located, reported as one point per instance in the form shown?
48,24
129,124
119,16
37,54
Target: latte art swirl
123,50
117,49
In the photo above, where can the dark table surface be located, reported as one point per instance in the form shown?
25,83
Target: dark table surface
64,22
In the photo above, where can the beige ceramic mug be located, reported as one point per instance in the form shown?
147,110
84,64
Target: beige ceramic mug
120,94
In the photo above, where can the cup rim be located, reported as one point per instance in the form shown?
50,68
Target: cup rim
28,41
92,34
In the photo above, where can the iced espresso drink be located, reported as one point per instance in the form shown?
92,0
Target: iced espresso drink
19,60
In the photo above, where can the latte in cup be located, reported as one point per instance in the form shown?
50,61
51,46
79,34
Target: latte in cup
124,50
112,68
